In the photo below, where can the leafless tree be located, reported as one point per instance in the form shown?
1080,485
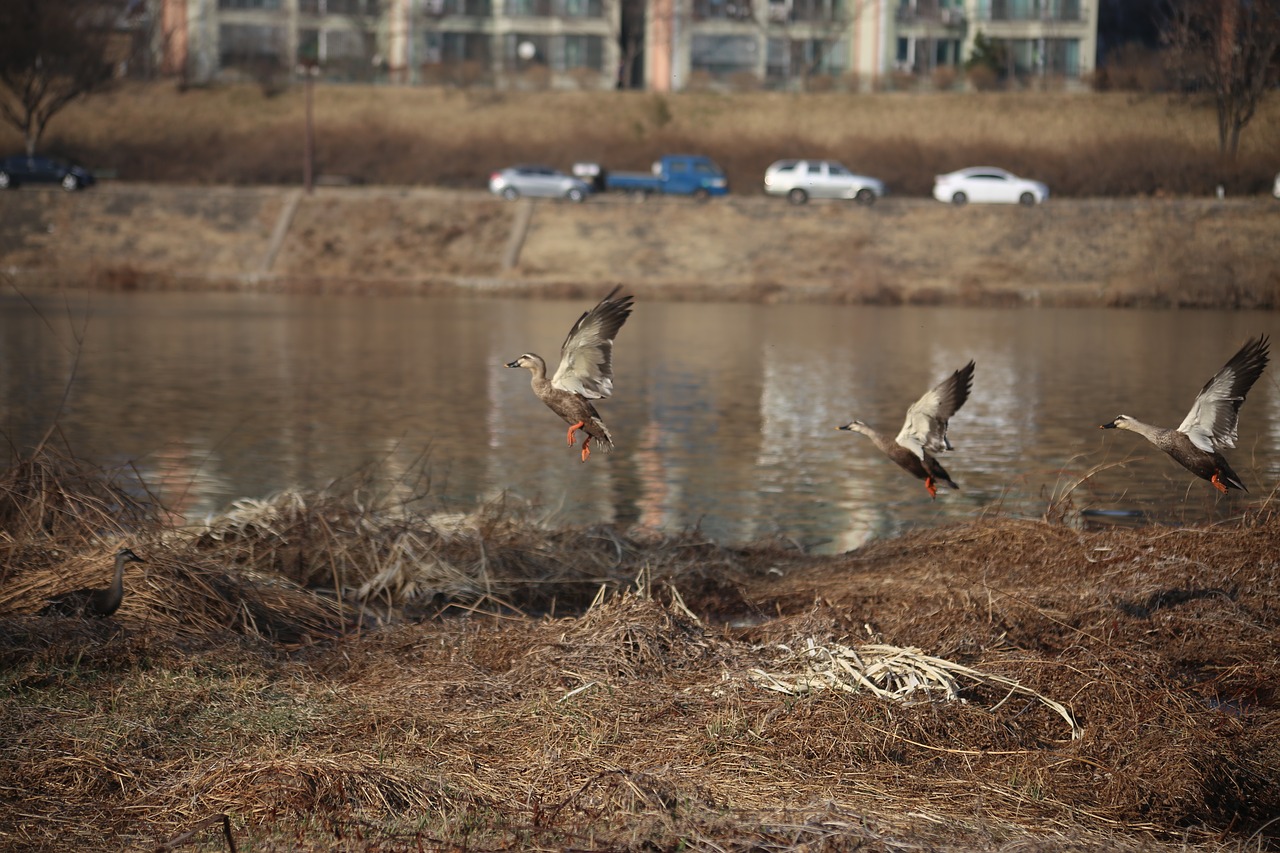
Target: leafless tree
52,52
632,17
808,30
811,30
1228,48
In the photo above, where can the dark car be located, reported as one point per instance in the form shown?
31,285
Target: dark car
21,169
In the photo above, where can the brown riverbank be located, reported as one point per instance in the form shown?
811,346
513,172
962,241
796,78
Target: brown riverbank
382,240
1002,685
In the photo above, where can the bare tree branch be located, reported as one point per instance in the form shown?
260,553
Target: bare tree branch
1228,48
52,52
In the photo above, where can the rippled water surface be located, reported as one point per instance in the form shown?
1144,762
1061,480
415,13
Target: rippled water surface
724,415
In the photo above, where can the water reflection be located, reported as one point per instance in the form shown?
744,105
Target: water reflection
724,415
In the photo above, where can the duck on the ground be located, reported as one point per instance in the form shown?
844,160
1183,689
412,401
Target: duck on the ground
585,371
924,432
1210,426
91,601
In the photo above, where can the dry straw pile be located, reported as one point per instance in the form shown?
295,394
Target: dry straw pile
332,673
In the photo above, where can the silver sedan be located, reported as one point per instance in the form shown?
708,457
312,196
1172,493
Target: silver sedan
800,180
540,181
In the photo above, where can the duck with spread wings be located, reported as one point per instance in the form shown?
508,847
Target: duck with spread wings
585,371
1210,426
924,432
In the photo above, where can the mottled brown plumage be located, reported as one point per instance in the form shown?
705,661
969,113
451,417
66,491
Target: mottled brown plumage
924,432
585,371
1211,425
91,601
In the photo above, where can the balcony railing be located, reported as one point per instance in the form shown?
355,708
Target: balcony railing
340,7
1031,10
722,10
930,12
457,8
554,8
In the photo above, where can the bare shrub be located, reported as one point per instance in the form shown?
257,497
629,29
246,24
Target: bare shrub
744,81
701,80
658,110
469,73
271,77
585,79
433,74
944,77
122,276
535,78
1133,67
901,81
821,83
982,78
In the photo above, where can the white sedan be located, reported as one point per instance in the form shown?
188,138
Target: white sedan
988,184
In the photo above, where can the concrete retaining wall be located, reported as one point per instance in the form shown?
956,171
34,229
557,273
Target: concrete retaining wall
384,240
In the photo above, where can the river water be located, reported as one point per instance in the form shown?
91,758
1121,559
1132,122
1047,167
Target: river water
724,415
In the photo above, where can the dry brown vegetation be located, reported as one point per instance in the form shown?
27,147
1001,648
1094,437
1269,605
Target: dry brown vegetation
1082,144
335,672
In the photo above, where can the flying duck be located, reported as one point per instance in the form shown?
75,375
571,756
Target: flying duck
1210,426
924,432
585,372
91,601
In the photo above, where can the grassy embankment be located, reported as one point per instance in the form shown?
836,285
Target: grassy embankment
1082,144
237,680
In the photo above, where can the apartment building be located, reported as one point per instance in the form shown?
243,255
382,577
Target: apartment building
784,44
502,42
787,43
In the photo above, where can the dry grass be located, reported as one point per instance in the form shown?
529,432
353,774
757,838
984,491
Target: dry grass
245,676
1093,144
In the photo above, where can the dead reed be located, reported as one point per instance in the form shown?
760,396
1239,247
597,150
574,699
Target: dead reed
535,689
1082,144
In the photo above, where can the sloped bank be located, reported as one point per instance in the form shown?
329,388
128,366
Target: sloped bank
1149,252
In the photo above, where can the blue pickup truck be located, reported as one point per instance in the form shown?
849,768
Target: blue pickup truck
673,174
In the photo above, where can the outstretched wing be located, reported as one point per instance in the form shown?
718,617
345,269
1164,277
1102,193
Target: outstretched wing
925,429
586,357
1211,423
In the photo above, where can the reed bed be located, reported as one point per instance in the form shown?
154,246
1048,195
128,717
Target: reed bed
1082,144
999,685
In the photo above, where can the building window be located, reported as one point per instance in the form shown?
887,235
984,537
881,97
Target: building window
1031,57
1062,56
722,10
582,8
1029,10
340,7
464,8
817,11
249,4
723,54
529,8
248,44
583,52
450,48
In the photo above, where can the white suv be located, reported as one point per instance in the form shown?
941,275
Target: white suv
800,180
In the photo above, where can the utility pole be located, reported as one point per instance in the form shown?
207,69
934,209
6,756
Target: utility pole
309,71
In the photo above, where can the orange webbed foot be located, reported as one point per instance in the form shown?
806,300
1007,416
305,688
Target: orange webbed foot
932,489
1217,483
586,449
579,425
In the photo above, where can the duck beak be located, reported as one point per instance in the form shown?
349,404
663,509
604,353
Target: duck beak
845,427
1111,425
515,363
